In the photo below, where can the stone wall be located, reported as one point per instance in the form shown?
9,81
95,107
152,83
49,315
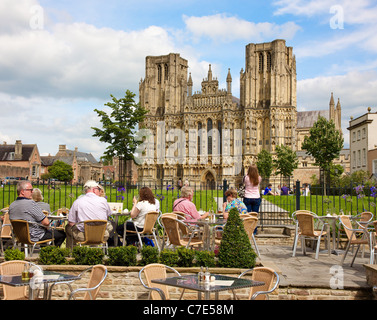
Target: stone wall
123,283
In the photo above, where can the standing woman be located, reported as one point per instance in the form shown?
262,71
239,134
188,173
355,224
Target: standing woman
252,198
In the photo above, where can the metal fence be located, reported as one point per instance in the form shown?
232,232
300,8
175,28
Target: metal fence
274,210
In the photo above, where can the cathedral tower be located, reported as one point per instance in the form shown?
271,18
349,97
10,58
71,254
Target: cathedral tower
268,96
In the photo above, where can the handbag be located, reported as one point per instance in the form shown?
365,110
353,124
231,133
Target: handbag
241,189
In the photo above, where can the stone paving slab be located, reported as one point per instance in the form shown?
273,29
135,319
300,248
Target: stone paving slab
306,271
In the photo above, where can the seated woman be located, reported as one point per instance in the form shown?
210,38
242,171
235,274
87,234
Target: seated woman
38,198
140,208
233,202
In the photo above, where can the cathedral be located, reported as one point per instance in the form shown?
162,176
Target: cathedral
207,136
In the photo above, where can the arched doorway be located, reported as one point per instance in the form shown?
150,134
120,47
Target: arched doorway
208,181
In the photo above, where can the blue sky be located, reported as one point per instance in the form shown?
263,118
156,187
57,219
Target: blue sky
62,59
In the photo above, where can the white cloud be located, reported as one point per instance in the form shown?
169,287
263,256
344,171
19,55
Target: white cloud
76,60
355,12
223,28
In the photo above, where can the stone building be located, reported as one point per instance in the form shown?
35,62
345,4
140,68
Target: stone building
20,161
207,136
363,142
85,166
305,121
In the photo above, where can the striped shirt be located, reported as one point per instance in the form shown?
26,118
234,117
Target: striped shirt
29,210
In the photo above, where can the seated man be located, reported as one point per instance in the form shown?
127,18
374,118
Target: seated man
91,206
184,204
284,190
25,208
268,190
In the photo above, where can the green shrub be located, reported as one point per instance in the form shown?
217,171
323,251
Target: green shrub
53,255
149,255
122,256
169,257
186,257
235,248
87,255
205,259
13,254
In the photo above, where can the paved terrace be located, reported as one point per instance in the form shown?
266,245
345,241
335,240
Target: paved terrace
306,271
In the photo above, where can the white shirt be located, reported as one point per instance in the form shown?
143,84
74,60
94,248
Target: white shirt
89,207
144,207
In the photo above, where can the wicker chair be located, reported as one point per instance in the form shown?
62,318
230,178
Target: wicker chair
374,247
172,228
6,231
252,214
268,276
357,234
15,267
97,277
363,218
305,229
94,231
250,223
148,230
156,271
21,235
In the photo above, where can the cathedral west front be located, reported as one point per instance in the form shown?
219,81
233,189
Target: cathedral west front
207,136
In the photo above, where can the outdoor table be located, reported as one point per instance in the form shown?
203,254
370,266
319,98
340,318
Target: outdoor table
116,219
48,278
331,220
51,217
208,226
221,283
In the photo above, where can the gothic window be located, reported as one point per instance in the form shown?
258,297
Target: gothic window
160,172
269,62
219,127
159,74
166,72
209,135
260,64
199,136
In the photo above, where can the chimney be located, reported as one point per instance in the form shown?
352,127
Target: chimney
18,150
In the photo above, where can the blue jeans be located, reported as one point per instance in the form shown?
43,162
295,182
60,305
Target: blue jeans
252,204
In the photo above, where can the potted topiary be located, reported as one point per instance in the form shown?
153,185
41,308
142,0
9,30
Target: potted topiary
235,248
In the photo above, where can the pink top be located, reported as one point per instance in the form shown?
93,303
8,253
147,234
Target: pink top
251,191
187,207
89,207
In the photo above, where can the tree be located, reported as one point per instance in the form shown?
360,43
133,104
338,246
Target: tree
119,127
61,171
235,248
286,161
324,143
264,164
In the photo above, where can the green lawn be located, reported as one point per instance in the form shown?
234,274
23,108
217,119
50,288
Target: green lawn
321,205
